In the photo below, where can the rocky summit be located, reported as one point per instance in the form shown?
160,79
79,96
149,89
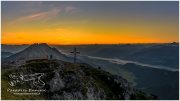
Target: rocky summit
68,81
38,51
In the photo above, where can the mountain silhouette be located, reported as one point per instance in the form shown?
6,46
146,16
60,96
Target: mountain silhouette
38,51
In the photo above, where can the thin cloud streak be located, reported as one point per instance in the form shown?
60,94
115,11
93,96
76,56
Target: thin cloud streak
44,16
70,9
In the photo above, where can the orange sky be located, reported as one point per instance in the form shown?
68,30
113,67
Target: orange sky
89,23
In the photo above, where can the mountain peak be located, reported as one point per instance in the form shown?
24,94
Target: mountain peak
40,44
38,51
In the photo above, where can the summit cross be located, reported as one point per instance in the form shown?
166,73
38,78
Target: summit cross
75,53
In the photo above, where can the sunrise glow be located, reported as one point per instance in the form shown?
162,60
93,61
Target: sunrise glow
89,22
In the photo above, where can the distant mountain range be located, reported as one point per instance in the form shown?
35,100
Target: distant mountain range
155,54
166,54
13,48
6,54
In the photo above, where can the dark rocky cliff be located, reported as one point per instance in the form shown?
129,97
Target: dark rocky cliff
64,80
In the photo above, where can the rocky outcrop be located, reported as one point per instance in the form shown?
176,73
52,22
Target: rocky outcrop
56,83
67,81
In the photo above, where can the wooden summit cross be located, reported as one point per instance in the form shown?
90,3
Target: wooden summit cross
75,52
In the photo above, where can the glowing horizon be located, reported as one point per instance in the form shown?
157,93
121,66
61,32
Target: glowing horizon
65,23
